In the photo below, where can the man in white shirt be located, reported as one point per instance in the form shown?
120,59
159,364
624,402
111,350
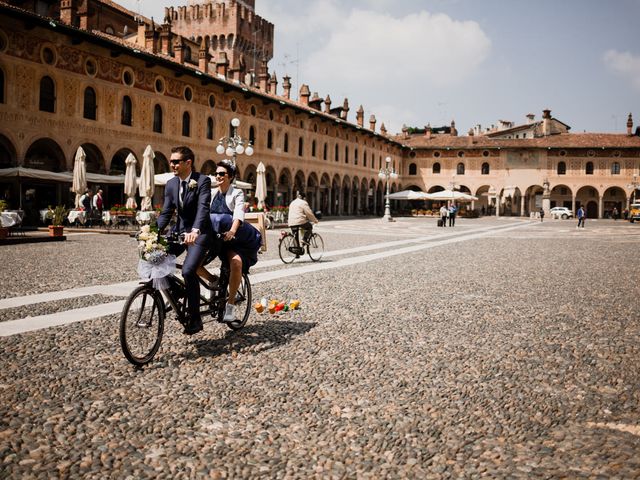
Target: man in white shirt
300,218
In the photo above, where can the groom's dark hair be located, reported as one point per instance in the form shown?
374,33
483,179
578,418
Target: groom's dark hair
186,153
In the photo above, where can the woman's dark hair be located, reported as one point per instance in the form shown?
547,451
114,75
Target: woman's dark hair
229,167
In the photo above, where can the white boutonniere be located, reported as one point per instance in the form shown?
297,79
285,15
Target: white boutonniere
192,184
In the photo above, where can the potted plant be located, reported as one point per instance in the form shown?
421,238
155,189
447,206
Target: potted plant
56,229
4,231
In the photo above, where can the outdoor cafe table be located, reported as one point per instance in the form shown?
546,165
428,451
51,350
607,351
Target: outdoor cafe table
10,218
77,215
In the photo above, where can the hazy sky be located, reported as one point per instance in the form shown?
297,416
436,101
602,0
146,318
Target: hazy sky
415,62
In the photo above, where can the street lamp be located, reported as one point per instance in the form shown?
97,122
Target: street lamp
234,145
387,173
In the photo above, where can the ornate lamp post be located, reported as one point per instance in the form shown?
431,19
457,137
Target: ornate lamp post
234,144
387,173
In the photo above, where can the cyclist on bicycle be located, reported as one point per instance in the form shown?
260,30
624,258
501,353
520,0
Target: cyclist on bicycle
241,241
188,193
301,218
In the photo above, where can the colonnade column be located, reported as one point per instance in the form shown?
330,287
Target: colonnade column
573,204
600,207
522,206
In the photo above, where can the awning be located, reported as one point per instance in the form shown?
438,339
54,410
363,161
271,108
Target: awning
67,177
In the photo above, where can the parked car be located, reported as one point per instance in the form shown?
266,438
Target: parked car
560,212
634,212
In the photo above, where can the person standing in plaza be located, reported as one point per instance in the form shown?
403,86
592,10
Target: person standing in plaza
614,213
188,193
581,217
444,213
98,203
452,215
541,214
300,218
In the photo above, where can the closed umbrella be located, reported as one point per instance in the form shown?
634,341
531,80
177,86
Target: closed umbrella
130,181
261,185
79,185
147,183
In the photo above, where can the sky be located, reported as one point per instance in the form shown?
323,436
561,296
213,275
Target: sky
419,62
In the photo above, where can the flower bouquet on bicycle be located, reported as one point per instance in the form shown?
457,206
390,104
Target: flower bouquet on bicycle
162,292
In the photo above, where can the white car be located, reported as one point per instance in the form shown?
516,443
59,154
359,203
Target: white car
561,212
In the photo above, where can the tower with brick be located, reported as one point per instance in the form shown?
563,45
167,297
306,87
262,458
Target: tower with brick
229,27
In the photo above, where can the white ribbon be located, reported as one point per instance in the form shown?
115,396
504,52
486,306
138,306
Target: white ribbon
157,271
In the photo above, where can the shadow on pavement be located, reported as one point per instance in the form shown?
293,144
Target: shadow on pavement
255,338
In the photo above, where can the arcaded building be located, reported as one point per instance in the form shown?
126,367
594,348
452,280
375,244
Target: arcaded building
91,73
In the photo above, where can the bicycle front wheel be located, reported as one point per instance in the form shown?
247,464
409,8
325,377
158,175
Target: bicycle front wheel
315,248
243,303
286,248
142,325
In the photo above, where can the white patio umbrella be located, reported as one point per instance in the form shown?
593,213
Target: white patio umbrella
449,195
130,181
147,179
407,195
261,185
161,180
79,185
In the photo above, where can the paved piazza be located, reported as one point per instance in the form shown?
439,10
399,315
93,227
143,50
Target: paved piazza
501,348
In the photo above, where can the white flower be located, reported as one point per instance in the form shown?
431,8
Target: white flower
192,184
145,229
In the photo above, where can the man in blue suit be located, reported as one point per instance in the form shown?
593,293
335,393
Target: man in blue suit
188,193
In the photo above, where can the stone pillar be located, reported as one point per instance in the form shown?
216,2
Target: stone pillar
600,207
573,204
522,206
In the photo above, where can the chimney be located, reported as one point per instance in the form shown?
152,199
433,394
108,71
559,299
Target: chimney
327,104
315,102
150,36
372,123
383,130
471,132
203,57
546,122
345,109
83,13
530,118
165,35
427,131
68,12
630,125
141,32
178,50
304,94
222,64
286,85
454,132
273,84
263,76
360,117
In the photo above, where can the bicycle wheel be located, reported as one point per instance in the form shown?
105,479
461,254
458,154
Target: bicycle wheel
142,325
243,303
315,248
286,247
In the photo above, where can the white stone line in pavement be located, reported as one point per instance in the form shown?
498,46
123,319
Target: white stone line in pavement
14,327
30,324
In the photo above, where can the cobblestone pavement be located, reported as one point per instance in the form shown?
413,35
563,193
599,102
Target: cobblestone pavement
501,348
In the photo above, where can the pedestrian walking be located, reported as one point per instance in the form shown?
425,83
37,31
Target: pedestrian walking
452,215
582,215
444,213
541,214
614,213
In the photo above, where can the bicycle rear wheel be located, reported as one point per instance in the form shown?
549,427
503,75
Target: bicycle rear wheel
286,248
142,325
315,248
243,303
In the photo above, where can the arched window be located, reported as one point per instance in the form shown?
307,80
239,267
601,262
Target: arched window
313,148
436,168
269,139
460,169
186,124
413,169
126,112
562,168
47,95
300,146
286,142
209,128
157,119
615,168
324,152
1,86
485,169
589,168
90,106
252,135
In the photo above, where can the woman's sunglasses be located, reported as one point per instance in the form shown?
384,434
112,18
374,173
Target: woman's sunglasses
220,174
